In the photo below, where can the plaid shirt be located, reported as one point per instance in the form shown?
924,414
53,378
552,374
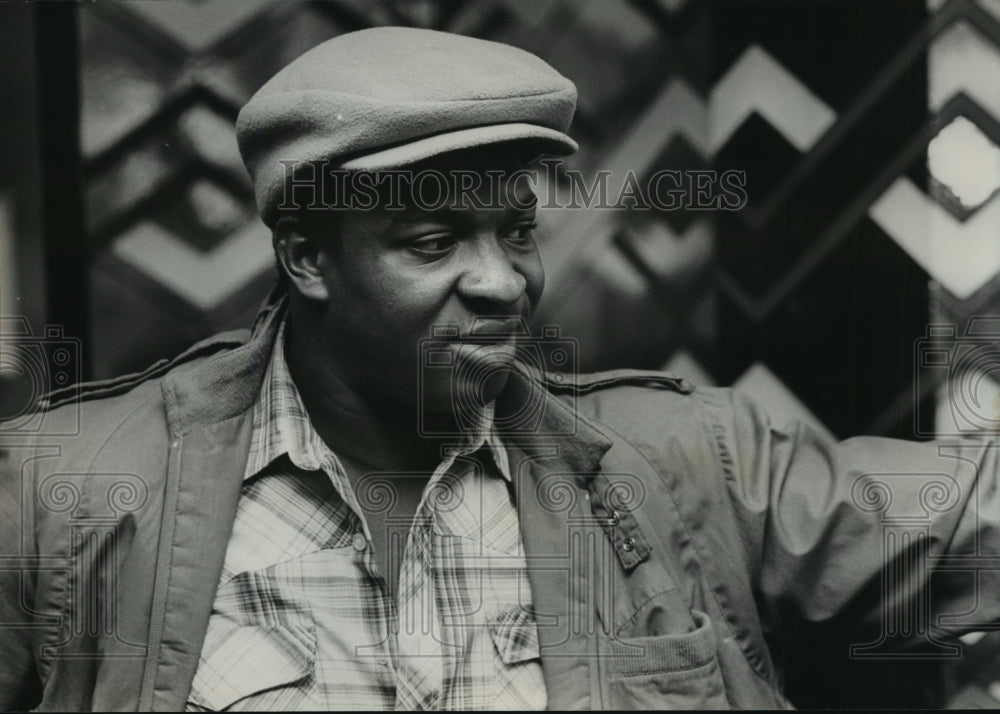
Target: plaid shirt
301,619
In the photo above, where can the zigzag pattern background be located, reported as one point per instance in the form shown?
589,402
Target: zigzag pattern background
869,135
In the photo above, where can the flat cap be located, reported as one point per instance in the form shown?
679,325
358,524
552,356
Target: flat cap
387,97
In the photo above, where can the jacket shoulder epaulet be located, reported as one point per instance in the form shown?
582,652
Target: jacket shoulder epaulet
101,389
595,381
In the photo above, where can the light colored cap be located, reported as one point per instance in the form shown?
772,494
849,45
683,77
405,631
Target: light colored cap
388,97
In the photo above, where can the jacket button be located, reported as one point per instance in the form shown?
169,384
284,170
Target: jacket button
628,545
359,542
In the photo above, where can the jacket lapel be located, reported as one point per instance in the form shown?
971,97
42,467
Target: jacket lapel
210,421
206,469
553,460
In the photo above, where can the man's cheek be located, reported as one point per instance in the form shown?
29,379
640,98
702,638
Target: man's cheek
405,307
534,276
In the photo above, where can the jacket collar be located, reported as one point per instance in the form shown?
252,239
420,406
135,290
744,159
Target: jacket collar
529,416
226,384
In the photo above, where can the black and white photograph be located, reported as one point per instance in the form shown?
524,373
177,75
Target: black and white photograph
465,355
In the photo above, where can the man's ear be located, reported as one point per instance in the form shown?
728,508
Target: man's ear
299,254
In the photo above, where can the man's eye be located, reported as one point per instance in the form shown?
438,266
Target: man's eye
520,234
433,245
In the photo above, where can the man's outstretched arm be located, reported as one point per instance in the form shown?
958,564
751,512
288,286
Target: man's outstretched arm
905,536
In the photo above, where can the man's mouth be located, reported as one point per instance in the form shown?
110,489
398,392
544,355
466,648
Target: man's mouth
491,340
492,330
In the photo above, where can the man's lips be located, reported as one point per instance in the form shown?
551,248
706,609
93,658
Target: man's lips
495,329
488,330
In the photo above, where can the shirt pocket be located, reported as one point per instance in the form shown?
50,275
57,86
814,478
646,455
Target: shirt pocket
255,667
515,636
678,671
518,683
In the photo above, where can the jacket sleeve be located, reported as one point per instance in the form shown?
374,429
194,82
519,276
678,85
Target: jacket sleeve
902,537
19,685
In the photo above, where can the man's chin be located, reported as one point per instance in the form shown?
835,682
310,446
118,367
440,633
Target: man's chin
482,371
482,391
456,387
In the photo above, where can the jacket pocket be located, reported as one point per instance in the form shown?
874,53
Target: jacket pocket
668,671
245,661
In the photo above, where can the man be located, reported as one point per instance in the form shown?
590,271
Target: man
379,500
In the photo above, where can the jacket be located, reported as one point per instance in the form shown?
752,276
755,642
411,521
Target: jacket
674,537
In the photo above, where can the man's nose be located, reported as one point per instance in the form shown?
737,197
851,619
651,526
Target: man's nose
491,275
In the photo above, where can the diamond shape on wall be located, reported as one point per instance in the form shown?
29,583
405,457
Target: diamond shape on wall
963,160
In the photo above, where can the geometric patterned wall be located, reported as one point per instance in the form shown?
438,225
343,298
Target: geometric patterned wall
801,298
813,293
178,251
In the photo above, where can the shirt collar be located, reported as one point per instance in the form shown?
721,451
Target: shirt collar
281,425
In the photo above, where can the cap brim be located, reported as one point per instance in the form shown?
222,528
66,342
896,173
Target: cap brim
549,141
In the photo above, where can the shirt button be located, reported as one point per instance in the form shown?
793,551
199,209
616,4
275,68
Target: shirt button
359,541
628,545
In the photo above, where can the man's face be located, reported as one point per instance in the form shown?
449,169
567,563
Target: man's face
394,275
